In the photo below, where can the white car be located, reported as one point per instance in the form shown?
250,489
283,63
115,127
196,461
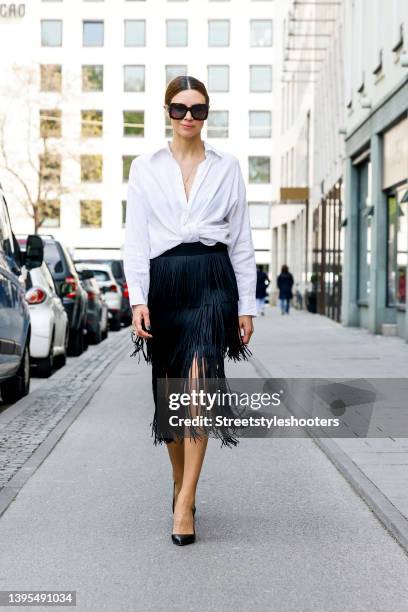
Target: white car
112,292
49,322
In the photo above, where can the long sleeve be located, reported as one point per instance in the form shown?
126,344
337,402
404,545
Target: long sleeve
136,251
241,249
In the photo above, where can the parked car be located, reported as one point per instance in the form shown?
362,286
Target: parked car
119,274
49,321
73,295
110,287
15,324
97,316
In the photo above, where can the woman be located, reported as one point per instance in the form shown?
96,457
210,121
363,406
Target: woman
285,283
190,268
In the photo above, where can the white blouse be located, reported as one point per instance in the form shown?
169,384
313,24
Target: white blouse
159,217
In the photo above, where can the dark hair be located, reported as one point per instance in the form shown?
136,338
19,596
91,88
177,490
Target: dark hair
284,269
181,83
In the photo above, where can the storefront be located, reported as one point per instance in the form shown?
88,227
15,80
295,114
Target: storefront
395,186
328,253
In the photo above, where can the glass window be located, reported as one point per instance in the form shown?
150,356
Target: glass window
91,215
176,33
261,32
174,71
91,123
51,77
91,168
364,230
397,255
259,214
218,78
50,167
168,130
218,33
259,169
51,32
134,78
101,275
93,34
123,213
261,78
126,163
49,213
217,124
135,33
260,123
50,123
6,238
52,257
133,123
92,78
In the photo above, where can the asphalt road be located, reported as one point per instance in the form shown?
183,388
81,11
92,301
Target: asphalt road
278,527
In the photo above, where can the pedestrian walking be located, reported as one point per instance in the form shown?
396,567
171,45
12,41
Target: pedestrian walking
285,282
190,267
262,282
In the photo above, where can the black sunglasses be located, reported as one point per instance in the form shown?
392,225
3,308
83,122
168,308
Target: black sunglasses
179,111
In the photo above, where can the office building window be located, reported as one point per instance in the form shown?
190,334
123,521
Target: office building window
174,71
134,78
126,163
176,33
93,34
91,213
261,78
50,168
51,77
259,169
92,78
91,123
218,78
135,32
217,124
261,32
133,123
260,124
259,214
91,168
50,123
123,213
49,212
51,32
218,33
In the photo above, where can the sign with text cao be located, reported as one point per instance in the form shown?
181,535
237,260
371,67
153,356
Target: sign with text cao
12,10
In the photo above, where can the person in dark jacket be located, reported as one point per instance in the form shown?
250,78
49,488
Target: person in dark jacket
285,282
262,281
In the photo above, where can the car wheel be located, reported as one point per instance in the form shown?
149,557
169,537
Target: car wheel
96,336
76,342
45,365
115,322
104,334
17,387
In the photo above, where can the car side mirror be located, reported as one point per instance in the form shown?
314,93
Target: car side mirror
34,252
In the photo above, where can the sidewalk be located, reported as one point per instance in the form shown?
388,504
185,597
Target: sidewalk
304,345
278,527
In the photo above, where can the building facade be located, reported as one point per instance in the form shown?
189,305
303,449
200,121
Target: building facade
92,77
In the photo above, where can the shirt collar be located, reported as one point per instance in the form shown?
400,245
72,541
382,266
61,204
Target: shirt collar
164,147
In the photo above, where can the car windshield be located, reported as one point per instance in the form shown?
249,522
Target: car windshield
101,275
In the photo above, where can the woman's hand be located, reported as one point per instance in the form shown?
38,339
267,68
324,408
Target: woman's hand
247,326
141,315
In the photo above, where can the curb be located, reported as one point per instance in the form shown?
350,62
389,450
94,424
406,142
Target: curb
395,523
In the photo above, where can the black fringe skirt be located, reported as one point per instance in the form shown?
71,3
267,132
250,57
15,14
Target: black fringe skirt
193,306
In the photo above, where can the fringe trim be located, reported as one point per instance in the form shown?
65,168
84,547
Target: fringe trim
193,303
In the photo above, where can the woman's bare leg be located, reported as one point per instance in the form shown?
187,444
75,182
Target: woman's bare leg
194,453
176,454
